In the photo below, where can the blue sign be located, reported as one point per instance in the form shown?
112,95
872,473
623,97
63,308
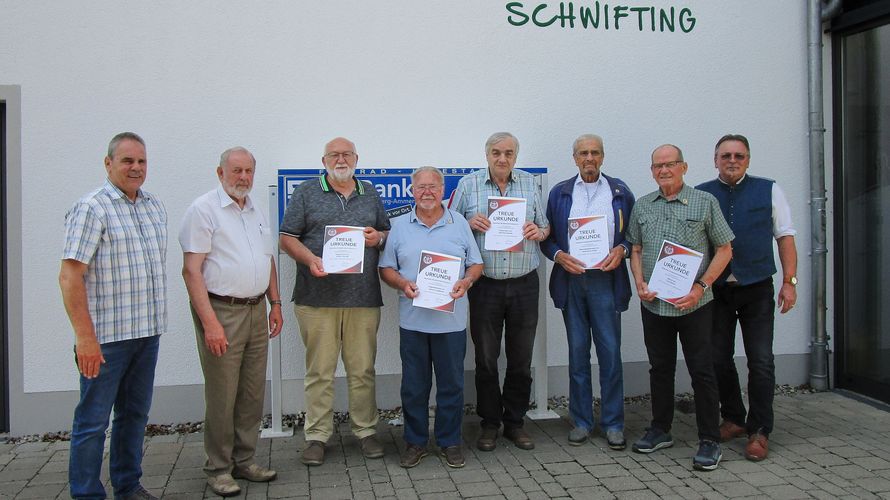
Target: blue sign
393,184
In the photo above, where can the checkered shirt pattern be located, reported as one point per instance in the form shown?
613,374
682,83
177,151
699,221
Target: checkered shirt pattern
124,244
692,219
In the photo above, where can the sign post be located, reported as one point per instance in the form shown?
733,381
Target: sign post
277,429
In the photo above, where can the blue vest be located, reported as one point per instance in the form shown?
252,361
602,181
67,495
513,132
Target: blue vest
748,209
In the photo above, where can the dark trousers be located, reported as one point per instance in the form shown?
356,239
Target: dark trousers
422,353
660,334
504,308
753,306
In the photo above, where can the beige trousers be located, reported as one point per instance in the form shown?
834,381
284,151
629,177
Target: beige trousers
234,386
330,332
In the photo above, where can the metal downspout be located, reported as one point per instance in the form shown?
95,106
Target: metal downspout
818,251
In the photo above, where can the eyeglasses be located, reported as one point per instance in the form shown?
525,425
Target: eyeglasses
667,164
730,156
586,153
427,188
348,155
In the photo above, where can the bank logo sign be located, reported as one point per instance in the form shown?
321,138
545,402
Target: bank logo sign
393,184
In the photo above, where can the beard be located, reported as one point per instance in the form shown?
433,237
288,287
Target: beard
236,191
342,175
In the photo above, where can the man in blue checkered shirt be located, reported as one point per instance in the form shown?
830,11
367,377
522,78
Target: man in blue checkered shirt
114,285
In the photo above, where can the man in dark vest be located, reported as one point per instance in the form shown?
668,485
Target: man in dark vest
758,212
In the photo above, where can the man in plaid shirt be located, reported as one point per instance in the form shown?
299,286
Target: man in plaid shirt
504,302
683,215
114,285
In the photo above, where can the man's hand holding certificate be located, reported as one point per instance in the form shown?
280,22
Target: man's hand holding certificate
507,217
675,271
436,277
344,250
588,240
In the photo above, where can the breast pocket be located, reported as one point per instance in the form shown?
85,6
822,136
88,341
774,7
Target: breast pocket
266,235
691,231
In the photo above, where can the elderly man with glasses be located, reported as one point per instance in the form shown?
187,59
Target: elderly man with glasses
758,212
433,335
337,312
681,215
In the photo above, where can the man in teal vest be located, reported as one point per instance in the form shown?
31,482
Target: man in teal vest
758,213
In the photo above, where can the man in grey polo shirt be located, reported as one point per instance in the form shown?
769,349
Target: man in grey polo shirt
336,312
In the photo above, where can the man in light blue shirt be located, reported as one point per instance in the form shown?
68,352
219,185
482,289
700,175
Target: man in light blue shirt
429,338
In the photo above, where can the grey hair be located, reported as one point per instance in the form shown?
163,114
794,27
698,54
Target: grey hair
587,137
423,169
676,148
119,138
224,157
498,137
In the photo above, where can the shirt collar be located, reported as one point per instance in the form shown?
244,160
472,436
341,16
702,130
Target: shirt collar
682,196
600,181
744,176
226,200
510,179
326,185
447,217
116,193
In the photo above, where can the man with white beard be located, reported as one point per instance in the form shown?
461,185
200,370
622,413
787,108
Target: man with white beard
229,271
336,312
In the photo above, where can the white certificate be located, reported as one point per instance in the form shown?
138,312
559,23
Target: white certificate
344,250
588,240
507,216
675,271
436,276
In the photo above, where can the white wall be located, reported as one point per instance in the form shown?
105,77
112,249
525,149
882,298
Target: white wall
410,82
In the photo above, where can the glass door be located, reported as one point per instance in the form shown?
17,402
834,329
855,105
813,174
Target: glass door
862,261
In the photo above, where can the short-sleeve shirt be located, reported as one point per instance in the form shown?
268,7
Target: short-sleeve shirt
124,245
450,235
471,198
237,241
692,219
315,204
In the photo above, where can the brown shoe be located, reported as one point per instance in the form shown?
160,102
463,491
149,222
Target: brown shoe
412,456
488,439
520,438
254,473
757,448
371,447
313,454
454,456
730,430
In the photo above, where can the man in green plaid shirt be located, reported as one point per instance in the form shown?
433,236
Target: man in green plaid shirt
680,214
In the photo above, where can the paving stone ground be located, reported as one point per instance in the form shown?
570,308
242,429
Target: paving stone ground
825,445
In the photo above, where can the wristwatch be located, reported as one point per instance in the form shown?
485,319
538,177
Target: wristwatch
702,284
792,281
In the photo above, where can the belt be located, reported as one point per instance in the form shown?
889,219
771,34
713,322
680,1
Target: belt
236,301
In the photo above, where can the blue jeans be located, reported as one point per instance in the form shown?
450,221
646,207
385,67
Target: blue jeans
590,314
125,381
421,354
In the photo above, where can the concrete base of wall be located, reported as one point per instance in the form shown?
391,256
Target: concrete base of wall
52,411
